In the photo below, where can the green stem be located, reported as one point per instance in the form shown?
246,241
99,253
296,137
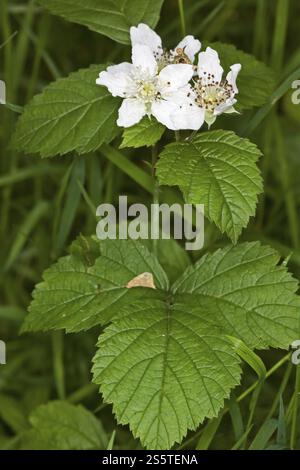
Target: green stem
82,393
280,391
8,39
191,136
177,136
280,32
58,363
182,17
260,30
268,374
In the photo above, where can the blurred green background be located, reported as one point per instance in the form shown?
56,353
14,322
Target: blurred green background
45,204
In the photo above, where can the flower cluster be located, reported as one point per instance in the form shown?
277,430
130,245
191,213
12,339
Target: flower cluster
167,84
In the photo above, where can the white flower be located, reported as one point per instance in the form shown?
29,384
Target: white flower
211,93
149,91
184,52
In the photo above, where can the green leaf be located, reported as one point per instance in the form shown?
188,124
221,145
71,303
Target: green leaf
63,426
72,113
144,134
79,292
112,18
217,169
209,433
247,292
165,361
281,438
252,359
164,368
236,418
256,81
264,435
70,205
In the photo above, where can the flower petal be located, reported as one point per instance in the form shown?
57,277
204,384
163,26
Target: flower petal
209,64
143,57
174,76
188,117
190,45
162,111
232,76
186,114
131,112
116,78
143,35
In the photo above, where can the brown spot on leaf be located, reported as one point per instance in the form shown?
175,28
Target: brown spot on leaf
142,280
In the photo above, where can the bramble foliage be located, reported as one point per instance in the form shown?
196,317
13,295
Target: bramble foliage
167,357
219,169
146,133
163,390
112,18
71,114
58,425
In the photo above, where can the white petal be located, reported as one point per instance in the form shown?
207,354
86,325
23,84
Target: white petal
191,47
209,63
124,67
232,76
116,78
162,111
186,114
143,35
175,76
225,107
143,57
188,117
131,112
